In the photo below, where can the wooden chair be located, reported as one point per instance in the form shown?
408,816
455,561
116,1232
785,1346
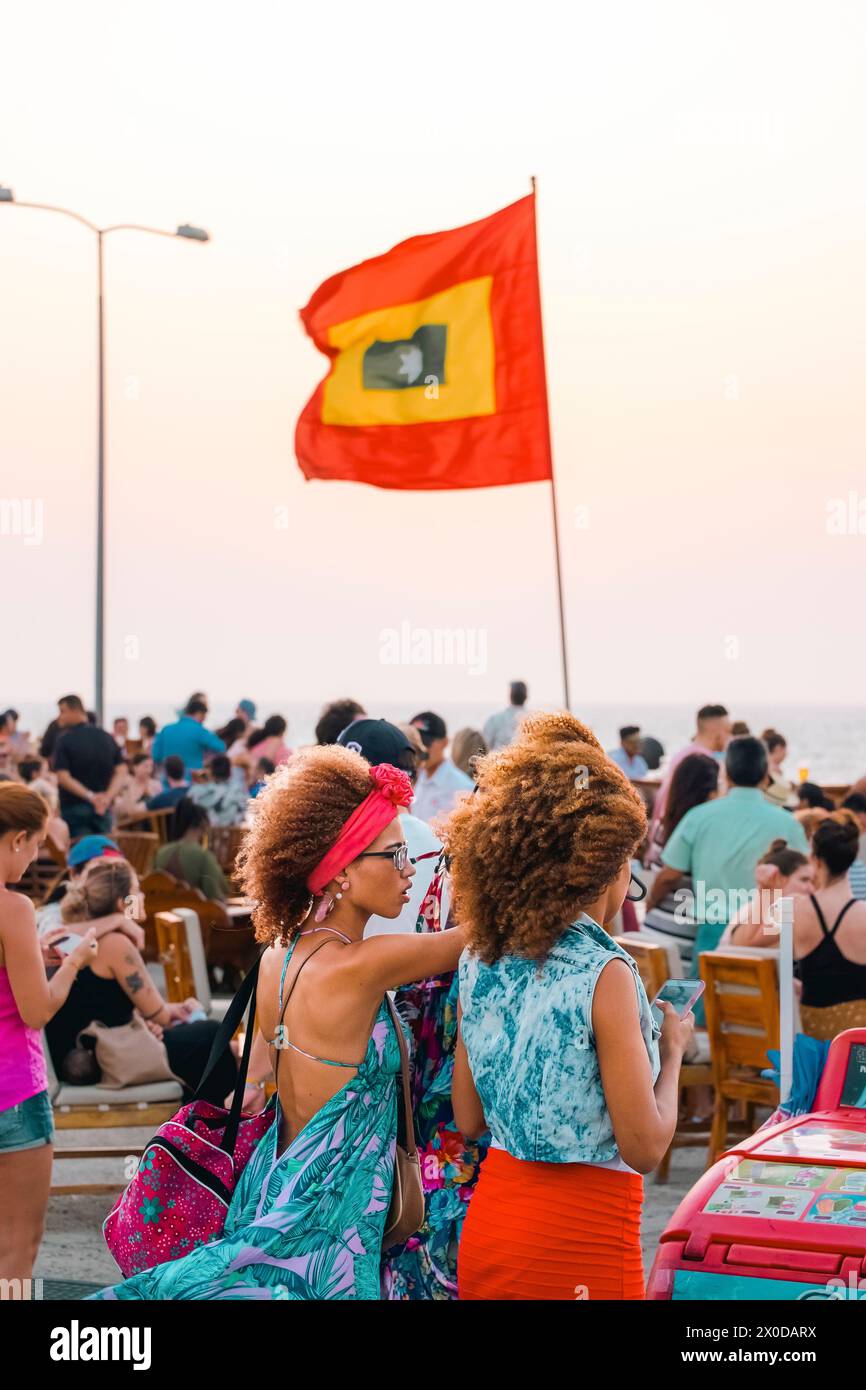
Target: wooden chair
227,945
654,968
182,955
742,1006
174,956
224,841
651,961
157,821
96,1107
139,848
165,893
44,874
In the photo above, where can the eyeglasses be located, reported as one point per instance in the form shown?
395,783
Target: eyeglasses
399,854
639,896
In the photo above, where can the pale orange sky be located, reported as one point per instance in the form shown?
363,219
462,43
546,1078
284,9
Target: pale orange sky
701,225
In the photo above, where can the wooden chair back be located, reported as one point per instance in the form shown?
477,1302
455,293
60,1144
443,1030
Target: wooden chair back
224,841
651,961
156,822
174,957
165,893
44,874
139,848
742,1008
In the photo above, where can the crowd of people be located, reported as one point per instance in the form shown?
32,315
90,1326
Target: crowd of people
542,1086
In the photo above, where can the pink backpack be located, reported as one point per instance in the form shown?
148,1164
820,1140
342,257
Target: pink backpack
182,1189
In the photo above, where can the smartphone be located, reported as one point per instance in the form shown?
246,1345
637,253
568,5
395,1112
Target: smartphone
66,945
681,993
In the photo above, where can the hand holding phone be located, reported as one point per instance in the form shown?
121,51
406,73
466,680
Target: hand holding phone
84,947
66,945
681,994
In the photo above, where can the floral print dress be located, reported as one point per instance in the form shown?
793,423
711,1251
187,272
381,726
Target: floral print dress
426,1267
306,1223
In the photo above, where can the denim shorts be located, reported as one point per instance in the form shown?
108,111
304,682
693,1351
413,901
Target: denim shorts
28,1125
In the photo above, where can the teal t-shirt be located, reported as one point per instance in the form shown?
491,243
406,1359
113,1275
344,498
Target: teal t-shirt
720,844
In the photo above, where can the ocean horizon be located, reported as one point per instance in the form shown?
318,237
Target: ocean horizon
829,741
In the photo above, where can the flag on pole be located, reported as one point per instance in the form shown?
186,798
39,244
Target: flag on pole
437,363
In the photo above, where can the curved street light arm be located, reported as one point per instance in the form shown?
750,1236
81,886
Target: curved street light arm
66,212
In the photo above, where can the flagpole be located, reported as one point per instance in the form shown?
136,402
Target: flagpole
562,640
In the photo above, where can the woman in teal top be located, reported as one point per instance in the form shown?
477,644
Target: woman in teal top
308,1217
559,1056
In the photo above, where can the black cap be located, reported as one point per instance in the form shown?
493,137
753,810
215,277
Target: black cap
378,742
652,752
430,726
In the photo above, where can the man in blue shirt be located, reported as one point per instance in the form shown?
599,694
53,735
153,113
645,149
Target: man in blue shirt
628,756
187,738
176,786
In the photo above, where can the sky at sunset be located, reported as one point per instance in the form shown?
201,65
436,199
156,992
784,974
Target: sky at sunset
702,218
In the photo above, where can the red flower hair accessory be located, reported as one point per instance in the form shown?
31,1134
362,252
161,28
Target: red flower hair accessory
393,783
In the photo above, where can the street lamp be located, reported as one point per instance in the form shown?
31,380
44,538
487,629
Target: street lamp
189,233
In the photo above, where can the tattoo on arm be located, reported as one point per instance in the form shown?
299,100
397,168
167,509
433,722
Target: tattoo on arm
134,982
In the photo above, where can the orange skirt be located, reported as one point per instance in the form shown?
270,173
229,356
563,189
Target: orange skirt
551,1231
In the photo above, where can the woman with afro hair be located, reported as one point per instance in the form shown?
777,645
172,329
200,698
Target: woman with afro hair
559,1055
307,1219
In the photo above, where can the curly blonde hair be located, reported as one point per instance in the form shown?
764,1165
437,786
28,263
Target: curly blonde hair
549,830
298,817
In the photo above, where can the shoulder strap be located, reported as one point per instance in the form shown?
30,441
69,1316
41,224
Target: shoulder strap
819,914
278,1050
233,1015
405,1123
835,926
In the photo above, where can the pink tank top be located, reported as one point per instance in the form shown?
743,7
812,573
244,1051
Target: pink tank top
22,1074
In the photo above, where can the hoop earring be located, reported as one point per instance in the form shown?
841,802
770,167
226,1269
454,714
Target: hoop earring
326,906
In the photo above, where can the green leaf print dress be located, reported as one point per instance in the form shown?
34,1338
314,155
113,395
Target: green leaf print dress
307,1223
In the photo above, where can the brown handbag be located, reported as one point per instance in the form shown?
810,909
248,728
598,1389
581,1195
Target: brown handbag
406,1212
127,1054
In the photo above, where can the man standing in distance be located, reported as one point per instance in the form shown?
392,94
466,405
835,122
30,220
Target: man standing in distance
90,770
501,728
440,782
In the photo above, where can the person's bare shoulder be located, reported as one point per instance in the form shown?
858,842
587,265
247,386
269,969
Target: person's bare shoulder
116,947
16,910
614,1001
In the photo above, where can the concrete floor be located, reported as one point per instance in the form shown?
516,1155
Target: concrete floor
73,1248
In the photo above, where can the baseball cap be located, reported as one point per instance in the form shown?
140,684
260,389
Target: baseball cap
377,741
431,726
91,847
248,707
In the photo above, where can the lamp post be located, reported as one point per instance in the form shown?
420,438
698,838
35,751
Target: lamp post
190,233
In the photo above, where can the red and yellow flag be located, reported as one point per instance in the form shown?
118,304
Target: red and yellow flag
437,364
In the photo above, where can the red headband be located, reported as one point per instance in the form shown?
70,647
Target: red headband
391,791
